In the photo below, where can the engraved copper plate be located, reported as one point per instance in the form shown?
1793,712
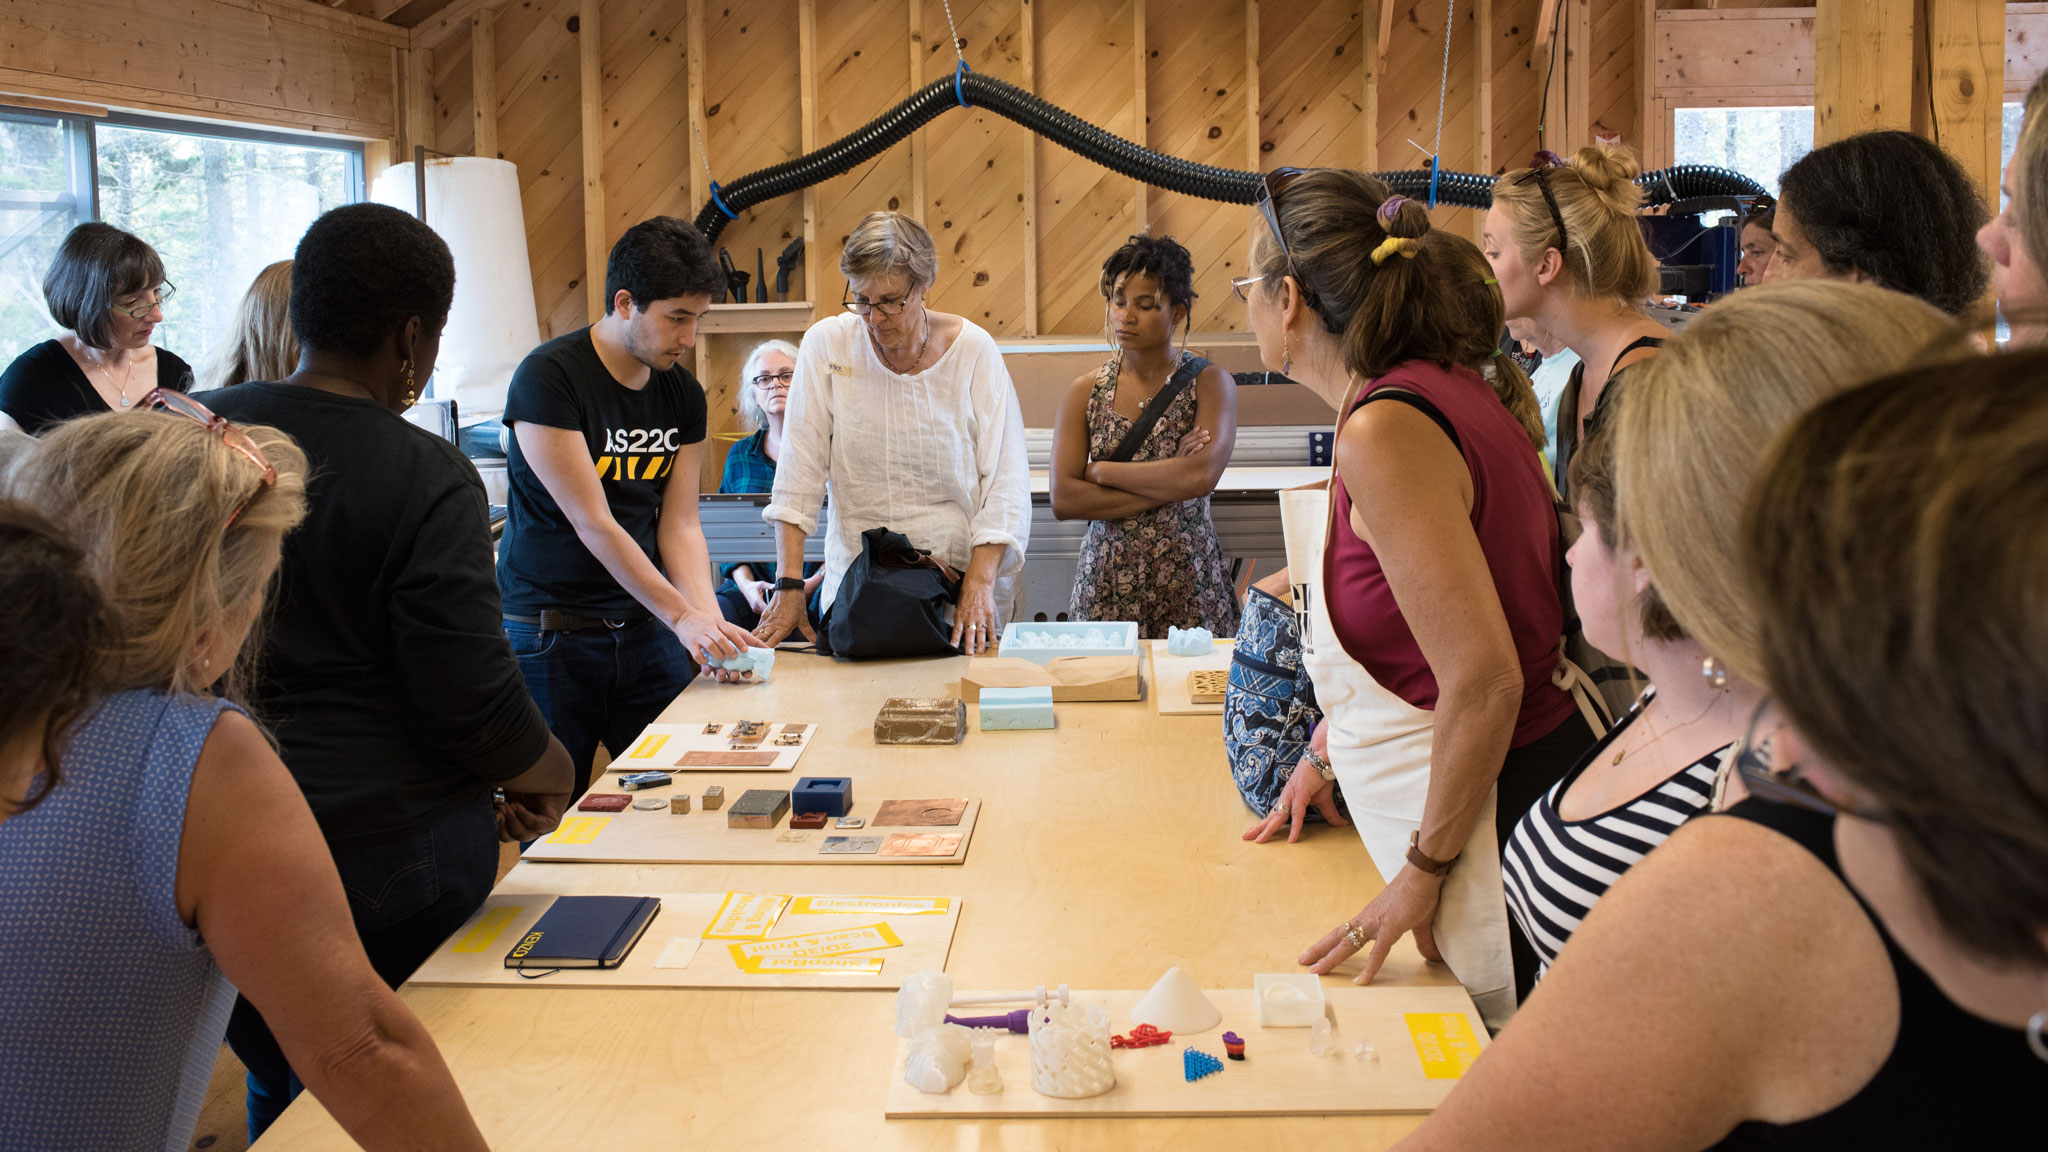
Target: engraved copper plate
920,814
726,759
922,844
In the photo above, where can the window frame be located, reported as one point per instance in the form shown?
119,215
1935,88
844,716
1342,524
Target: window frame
220,130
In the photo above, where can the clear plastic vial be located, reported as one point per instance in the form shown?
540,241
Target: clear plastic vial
982,1078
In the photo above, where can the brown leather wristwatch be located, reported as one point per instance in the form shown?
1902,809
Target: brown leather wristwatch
1424,863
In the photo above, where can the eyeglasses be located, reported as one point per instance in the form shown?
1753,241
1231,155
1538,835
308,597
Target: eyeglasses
1540,173
161,297
1239,286
179,404
783,378
1756,761
860,307
1271,185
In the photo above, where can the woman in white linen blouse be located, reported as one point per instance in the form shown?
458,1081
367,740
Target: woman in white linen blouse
909,416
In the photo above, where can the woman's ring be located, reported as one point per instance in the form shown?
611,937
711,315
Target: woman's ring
1354,934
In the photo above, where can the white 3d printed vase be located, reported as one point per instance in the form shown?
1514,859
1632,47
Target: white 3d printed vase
1070,1051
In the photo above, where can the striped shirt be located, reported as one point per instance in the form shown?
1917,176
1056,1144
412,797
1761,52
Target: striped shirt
1555,869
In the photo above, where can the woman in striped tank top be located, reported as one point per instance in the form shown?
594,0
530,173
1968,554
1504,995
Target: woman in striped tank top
1655,769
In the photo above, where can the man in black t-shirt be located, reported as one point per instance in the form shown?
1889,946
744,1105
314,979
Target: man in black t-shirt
603,568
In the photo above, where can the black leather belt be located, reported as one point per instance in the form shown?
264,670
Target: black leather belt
553,621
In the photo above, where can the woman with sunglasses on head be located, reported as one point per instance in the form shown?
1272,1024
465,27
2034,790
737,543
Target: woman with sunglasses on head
1756,990
175,860
397,702
750,467
909,414
1564,242
1430,571
107,288
1150,554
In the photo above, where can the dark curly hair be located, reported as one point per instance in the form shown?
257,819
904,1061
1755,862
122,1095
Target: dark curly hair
1897,208
363,270
1160,257
55,621
661,258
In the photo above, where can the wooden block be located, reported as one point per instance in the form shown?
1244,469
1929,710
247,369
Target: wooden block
1207,686
679,804
906,720
713,797
758,808
1172,672
475,954
1277,1077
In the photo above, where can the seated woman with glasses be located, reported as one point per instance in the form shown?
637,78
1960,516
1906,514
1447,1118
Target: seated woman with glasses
174,860
1430,570
107,287
750,467
1764,1010
1570,257
397,702
1150,554
910,416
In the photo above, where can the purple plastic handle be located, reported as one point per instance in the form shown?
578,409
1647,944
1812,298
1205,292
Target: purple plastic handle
1018,1021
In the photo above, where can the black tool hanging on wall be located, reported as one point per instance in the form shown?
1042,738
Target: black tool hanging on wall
785,264
760,278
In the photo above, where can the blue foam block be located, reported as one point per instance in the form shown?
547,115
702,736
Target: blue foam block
1189,641
755,660
1015,709
832,795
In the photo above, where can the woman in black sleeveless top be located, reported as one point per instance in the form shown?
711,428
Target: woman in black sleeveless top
1864,940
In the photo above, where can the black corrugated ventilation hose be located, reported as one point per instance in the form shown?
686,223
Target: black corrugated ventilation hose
969,88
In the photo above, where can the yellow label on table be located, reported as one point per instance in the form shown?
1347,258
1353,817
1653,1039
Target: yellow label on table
647,747
844,965
479,938
881,905
745,916
866,938
1445,1042
579,829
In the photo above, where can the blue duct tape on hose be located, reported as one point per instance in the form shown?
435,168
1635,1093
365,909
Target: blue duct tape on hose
970,89
1436,166
729,213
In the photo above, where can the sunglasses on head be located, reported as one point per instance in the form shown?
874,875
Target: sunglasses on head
1271,186
1756,762
179,404
1539,171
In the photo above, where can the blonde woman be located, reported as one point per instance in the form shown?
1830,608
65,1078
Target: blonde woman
750,467
2016,239
1757,987
910,415
262,346
1564,244
204,869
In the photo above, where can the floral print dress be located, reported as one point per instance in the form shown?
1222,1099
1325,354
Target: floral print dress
1162,567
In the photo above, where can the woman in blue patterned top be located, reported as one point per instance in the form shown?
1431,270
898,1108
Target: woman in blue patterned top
750,468
176,860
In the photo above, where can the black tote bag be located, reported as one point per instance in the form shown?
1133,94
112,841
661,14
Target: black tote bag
893,602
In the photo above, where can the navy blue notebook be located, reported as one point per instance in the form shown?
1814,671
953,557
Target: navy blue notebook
584,932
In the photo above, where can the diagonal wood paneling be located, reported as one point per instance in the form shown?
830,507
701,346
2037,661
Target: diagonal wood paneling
1517,82
1615,103
863,70
1409,95
1084,210
1196,68
1311,84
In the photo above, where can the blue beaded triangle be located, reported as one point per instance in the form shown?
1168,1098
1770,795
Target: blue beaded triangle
1196,1064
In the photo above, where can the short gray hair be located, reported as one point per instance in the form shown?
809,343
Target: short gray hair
886,242
750,406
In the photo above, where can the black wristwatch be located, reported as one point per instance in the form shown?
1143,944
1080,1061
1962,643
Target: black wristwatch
788,584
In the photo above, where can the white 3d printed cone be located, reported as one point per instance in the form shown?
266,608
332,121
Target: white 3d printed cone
1176,1005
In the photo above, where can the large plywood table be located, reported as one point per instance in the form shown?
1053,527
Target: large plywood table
1107,851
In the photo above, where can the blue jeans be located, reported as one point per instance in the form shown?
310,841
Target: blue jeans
407,893
601,684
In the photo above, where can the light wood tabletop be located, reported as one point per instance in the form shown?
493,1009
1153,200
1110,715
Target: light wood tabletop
1108,851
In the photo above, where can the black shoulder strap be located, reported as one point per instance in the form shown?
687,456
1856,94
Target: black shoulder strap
1645,342
1420,404
1161,400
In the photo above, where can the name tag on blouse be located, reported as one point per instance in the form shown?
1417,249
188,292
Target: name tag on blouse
838,369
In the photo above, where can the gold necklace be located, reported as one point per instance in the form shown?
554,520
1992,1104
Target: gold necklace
126,376
1656,735
884,352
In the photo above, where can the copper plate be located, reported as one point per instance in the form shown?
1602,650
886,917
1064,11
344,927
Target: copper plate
919,814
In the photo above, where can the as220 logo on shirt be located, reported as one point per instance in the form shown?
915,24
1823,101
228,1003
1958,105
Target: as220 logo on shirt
637,453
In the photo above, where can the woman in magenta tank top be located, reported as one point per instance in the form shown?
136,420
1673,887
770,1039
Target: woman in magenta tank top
1433,627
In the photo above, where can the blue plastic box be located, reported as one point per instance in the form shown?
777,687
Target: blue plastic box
832,795
1015,709
1113,638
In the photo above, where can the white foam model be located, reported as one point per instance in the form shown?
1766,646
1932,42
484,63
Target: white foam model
1288,999
473,203
1070,1051
1176,1005
938,1057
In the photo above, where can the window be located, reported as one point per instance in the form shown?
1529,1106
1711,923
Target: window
2009,139
216,202
1758,142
